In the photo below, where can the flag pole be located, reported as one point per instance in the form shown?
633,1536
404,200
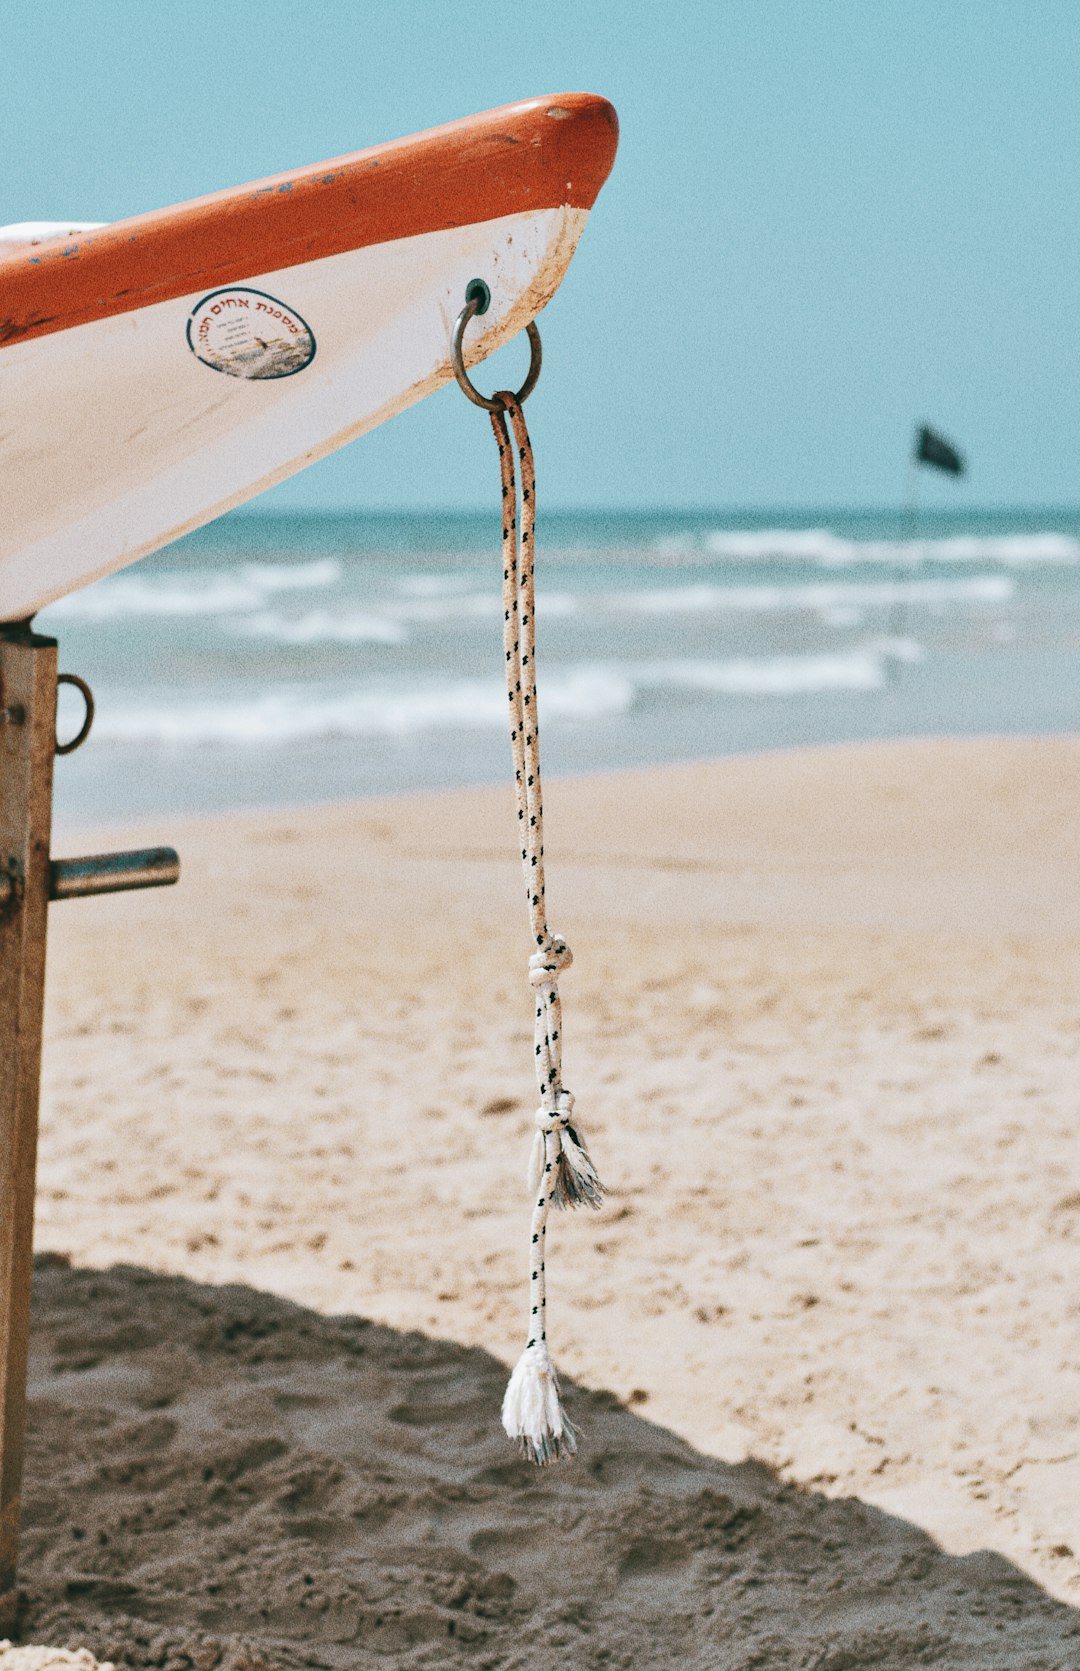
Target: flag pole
930,448
900,614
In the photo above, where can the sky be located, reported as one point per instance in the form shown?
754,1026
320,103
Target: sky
826,223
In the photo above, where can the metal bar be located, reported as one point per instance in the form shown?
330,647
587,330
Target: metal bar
112,873
27,743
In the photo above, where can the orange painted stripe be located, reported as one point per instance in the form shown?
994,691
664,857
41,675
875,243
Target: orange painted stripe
534,155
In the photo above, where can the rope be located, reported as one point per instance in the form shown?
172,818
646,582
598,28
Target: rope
561,1173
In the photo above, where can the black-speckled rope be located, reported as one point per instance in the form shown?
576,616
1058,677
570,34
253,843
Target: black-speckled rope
561,1173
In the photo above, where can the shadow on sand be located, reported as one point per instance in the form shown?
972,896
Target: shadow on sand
218,1480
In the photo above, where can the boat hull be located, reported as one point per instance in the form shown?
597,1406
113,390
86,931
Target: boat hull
132,412
123,438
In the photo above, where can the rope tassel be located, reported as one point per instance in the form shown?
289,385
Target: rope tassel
561,1171
532,1410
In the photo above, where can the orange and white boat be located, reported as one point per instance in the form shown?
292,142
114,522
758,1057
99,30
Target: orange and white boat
157,371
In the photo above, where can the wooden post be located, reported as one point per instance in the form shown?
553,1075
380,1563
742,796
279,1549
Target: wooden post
27,746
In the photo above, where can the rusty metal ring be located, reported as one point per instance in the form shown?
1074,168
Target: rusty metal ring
88,718
473,306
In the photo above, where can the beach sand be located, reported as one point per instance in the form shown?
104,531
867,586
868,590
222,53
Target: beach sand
823,1027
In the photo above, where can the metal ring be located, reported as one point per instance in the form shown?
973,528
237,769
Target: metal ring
471,308
88,718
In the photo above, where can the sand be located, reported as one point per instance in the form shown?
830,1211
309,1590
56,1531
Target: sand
823,1028
38,1658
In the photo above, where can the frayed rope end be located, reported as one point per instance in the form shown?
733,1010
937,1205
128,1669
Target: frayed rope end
532,1410
576,1181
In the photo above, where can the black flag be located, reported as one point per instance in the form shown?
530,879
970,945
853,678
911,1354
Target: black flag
931,448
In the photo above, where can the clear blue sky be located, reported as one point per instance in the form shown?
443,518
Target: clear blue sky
827,219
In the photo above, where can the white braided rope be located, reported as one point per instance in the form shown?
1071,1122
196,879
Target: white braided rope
561,1173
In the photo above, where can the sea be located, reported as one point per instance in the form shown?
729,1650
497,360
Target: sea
278,658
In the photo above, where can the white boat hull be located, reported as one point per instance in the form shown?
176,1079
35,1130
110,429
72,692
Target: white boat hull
117,438
157,371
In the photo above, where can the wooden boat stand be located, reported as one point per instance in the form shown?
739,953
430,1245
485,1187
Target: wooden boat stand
29,879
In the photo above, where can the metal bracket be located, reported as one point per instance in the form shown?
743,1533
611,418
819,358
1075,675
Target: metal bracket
88,715
12,886
98,873
113,873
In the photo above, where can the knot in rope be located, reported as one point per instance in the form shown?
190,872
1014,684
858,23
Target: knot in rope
559,1117
548,963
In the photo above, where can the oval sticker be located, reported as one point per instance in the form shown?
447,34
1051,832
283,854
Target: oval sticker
246,333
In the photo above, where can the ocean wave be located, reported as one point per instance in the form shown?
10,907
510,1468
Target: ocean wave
864,668
817,596
291,713
575,693
292,577
388,621
435,585
484,606
829,550
322,626
266,600
250,588
219,592
840,604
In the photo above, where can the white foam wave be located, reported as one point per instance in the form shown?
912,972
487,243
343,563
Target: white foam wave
292,714
292,577
214,593
479,606
864,668
822,546
578,692
322,626
819,596
389,621
434,585
163,595
840,604
244,599
423,599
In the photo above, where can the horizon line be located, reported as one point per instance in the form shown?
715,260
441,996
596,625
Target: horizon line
725,511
